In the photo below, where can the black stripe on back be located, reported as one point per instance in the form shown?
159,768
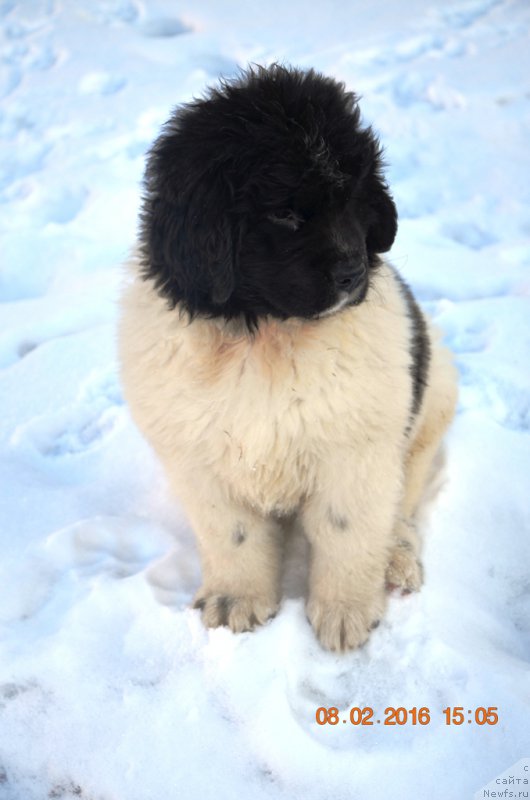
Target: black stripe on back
420,346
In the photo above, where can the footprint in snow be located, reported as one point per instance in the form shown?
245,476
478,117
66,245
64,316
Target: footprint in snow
26,42
10,691
473,337
118,12
464,15
102,83
119,546
65,790
75,430
70,561
509,404
163,27
109,12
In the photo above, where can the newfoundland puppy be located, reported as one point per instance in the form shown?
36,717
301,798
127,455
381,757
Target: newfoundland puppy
282,371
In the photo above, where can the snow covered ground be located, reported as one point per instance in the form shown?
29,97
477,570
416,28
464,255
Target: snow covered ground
110,688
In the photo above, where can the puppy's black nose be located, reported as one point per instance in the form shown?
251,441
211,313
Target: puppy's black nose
347,275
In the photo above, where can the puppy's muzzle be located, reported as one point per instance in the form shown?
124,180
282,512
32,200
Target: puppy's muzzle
348,275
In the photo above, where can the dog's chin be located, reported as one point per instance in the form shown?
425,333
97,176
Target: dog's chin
345,299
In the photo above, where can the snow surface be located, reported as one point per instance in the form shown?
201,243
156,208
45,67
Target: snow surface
110,688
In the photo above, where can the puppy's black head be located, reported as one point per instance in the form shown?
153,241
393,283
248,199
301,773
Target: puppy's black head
266,198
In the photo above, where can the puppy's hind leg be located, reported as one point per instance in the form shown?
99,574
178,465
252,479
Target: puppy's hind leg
405,570
240,556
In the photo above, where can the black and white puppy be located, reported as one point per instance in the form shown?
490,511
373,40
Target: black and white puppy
278,366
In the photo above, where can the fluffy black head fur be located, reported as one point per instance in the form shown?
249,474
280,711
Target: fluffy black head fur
266,198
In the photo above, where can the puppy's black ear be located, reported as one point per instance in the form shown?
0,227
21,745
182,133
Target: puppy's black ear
189,241
383,229
209,239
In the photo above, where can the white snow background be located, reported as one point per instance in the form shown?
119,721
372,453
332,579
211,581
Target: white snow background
110,688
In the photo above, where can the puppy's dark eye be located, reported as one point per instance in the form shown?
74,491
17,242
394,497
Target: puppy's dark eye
287,218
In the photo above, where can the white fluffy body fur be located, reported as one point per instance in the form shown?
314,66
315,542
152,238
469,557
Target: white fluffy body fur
304,418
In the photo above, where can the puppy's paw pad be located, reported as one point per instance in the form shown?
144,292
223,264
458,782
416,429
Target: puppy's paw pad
238,613
405,570
340,627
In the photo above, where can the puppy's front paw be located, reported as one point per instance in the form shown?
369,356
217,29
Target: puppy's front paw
238,613
340,626
405,570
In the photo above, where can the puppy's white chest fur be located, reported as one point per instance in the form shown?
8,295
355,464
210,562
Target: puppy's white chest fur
264,412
